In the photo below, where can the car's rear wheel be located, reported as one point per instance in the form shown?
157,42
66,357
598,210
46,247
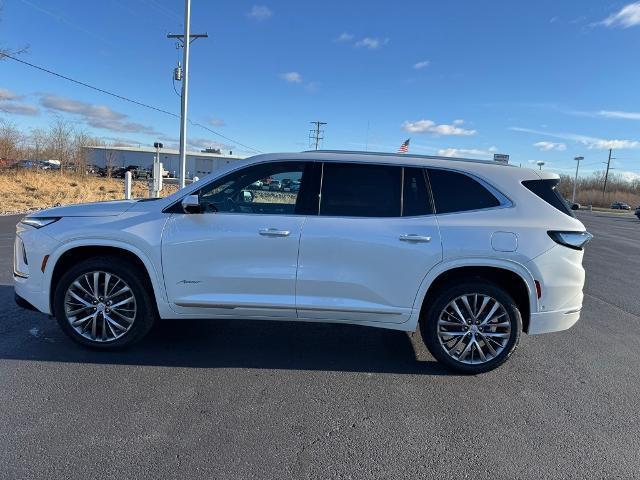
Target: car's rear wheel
473,327
104,303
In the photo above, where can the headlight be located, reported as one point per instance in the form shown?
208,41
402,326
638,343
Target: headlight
39,222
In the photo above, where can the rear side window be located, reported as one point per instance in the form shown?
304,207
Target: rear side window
457,192
415,196
546,190
360,190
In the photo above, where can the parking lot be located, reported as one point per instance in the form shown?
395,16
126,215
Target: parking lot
241,400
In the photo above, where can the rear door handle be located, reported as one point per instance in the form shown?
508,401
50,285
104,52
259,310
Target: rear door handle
412,237
273,232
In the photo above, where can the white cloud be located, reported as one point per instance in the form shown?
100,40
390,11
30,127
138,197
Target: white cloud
548,146
589,142
463,152
619,114
312,87
260,13
8,95
421,65
97,116
291,77
371,43
19,108
216,122
628,176
629,16
429,126
344,37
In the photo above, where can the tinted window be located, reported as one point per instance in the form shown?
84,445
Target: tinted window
269,188
415,199
360,190
546,190
457,192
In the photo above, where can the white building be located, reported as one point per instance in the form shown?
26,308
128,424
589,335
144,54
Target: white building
199,164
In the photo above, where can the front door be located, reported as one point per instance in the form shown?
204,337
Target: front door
365,255
238,256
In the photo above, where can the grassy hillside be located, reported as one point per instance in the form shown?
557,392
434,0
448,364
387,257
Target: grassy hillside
26,190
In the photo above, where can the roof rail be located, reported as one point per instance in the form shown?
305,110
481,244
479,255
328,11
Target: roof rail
401,155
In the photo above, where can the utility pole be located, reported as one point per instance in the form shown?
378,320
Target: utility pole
316,135
575,180
185,40
606,175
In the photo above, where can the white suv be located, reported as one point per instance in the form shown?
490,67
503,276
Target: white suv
474,252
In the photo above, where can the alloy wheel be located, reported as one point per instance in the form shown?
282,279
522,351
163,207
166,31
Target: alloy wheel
474,328
100,306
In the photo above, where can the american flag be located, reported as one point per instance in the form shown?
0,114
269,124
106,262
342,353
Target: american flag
404,148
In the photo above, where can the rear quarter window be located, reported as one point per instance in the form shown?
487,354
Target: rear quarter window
457,192
547,191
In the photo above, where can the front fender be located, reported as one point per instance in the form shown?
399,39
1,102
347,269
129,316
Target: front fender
155,275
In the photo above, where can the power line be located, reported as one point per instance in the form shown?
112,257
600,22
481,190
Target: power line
126,99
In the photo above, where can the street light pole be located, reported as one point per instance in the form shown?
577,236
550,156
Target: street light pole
182,74
575,180
185,92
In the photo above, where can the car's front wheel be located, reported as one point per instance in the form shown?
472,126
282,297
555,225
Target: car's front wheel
104,303
473,327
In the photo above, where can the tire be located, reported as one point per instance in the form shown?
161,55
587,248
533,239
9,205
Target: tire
489,345
129,320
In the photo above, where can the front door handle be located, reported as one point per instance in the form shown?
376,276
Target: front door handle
273,232
412,237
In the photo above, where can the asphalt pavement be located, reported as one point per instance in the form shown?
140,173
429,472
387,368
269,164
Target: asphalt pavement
246,399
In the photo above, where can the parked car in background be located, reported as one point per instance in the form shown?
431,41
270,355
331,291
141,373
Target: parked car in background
475,252
572,205
275,185
637,212
141,173
620,206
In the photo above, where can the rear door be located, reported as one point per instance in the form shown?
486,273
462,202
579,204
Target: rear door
365,255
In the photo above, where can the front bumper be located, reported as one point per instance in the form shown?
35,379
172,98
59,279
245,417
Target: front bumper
31,278
22,303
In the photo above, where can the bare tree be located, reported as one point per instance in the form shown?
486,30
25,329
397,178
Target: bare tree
110,160
60,138
11,141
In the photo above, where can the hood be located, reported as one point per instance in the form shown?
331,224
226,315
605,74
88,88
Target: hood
95,209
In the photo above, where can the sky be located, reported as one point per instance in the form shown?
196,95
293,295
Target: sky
540,81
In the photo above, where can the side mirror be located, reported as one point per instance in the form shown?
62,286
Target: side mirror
191,204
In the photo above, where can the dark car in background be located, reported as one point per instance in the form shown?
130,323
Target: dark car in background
637,212
620,206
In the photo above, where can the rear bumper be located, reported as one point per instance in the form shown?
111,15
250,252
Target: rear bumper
546,322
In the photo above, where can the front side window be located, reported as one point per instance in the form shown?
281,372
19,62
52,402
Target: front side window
457,192
360,190
267,188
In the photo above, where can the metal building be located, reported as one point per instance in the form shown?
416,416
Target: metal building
199,164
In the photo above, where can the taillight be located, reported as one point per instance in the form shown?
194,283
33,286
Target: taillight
574,240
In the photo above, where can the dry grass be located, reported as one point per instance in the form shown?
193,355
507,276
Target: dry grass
595,198
26,190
